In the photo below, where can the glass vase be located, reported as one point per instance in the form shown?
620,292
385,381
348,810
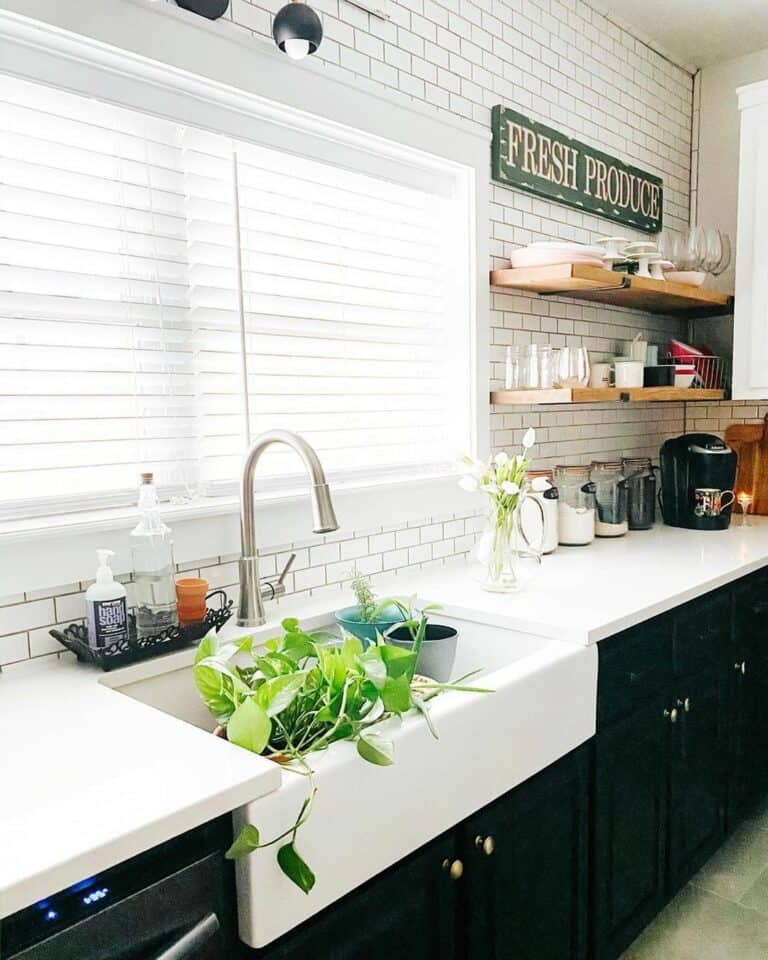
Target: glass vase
505,558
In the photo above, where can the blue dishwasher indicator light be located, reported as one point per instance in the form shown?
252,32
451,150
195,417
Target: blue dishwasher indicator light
95,896
51,915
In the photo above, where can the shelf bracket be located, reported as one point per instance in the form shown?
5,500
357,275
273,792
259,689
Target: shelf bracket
625,284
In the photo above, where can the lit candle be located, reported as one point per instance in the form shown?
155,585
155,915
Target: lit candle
744,500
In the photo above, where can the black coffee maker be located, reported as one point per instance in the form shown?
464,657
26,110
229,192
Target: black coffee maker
698,472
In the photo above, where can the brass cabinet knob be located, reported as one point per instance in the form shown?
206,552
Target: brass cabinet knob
740,667
486,844
671,715
454,868
685,704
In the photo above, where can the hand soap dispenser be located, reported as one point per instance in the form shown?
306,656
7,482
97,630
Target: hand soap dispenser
106,606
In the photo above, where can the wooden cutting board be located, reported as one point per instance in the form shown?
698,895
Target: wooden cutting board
750,441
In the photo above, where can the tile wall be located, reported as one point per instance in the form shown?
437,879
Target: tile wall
559,61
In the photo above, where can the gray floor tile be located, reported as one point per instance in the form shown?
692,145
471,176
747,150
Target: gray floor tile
738,865
699,925
756,898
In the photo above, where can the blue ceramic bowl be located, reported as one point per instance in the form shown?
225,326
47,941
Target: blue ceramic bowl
349,619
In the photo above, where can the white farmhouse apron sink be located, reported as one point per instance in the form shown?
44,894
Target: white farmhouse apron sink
365,817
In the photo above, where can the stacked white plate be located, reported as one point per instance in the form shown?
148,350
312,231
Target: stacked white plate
547,253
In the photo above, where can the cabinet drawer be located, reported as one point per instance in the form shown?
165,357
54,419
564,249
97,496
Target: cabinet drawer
635,665
702,633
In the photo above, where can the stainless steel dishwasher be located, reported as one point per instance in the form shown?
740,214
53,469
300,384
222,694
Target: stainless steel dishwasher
174,902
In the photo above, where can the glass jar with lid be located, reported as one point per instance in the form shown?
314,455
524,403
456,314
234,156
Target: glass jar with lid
611,498
641,492
575,506
532,519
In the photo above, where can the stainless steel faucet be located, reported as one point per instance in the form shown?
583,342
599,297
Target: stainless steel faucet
251,608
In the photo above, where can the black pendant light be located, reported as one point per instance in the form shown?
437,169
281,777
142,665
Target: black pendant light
297,30
212,9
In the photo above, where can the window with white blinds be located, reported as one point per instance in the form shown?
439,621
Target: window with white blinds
167,293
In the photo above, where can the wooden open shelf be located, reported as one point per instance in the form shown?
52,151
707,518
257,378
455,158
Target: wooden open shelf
617,289
608,395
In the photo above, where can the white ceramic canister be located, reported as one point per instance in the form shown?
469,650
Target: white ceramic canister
531,517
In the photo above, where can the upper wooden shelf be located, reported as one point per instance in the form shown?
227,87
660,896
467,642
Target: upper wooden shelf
618,289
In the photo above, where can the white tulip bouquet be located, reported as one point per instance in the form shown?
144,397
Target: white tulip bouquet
503,479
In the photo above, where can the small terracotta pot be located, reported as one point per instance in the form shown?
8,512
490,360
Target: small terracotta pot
190,598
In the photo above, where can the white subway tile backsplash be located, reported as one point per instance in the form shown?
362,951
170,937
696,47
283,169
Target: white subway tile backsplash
13,648
325,553
382,542
25,616
311,577
406,538
70,607
41,642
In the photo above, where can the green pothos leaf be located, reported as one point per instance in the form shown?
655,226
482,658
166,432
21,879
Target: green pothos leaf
375,749
249,726
246,842
396,694
295,868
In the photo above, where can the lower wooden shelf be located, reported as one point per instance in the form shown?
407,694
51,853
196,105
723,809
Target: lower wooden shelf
609,395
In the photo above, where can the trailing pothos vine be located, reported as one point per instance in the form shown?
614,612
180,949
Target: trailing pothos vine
302,692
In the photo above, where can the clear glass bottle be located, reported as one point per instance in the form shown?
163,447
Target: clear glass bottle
575,506
153,569
611,496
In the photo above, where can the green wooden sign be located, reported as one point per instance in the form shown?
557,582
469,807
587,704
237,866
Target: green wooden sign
532,157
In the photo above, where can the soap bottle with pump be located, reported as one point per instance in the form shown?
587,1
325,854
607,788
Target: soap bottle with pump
153,570
106,607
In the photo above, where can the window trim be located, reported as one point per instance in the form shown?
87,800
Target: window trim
164,61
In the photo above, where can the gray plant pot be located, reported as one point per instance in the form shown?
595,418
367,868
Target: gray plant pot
438,652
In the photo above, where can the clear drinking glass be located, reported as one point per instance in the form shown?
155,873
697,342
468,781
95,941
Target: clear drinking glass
512,368
572,367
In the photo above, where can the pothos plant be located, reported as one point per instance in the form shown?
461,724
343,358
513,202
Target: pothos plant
301,693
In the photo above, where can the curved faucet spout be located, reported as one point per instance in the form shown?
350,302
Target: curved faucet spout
251,606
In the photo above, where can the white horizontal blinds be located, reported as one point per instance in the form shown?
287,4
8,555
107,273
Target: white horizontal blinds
347,286
214,306
96,363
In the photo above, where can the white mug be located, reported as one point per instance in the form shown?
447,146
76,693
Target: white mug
600,376
629,373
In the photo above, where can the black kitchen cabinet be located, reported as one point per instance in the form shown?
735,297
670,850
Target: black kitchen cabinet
526,869
630,828
408,911
748,780
697,771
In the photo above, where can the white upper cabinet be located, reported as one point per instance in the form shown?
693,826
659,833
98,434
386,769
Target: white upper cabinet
750,329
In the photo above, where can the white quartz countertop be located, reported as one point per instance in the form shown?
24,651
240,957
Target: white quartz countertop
585,594
91,777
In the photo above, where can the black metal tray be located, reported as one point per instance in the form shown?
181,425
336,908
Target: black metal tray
75,638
